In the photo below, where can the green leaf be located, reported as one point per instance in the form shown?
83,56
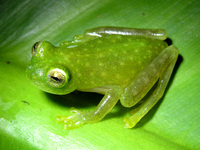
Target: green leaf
27,115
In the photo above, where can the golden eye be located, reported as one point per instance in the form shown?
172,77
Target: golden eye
57,78
35,48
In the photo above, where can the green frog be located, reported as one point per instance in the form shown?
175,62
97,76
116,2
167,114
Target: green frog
121,63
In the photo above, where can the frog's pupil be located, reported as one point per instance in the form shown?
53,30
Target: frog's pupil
56,79
34,49
35,45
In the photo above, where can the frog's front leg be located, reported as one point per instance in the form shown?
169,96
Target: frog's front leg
78,118
160,70
93,33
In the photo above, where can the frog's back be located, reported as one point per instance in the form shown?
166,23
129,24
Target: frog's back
112,60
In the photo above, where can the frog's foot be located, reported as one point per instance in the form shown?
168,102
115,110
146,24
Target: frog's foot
76,120
76,40
65,43
129,122
135,117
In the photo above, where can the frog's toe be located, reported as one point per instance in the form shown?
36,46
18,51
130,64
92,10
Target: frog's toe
129,123
76,120
73,122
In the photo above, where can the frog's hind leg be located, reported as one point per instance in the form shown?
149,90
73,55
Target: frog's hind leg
141,86
98,32
93,33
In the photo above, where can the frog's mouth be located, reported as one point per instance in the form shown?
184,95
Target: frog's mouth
36,76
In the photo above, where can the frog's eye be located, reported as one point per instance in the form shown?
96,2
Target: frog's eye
35,48
57,78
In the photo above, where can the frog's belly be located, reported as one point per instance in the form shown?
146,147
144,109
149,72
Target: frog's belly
100,90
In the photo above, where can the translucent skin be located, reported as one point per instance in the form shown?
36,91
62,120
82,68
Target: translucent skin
122,63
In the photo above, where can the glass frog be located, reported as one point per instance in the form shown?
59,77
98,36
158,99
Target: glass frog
121,63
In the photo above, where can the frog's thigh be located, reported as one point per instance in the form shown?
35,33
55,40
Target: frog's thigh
103,31
164,64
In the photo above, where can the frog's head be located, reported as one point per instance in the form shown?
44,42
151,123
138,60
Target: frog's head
44,71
